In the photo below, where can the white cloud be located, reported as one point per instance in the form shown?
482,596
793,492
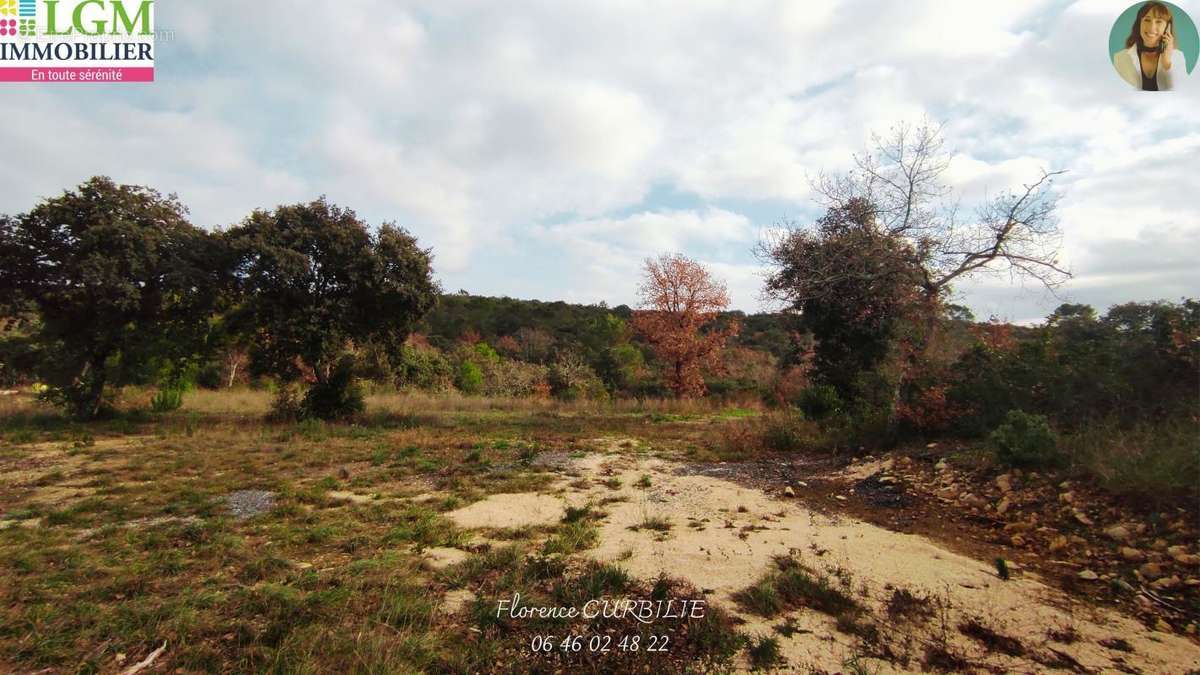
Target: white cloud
496,129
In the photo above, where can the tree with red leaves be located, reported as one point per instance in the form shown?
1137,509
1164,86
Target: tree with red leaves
680,305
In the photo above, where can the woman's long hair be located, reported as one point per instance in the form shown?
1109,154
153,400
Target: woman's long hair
1135,33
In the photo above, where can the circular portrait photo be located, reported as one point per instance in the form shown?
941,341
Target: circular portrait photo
1153,46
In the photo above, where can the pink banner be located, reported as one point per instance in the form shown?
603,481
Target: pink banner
76,74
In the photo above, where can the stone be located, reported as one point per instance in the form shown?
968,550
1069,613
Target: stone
1159,545
249,503
1166,583
840,498
1163,627
1066,497
1088,575
1004,482
344,473
941,465
1003,506
1018,540
789,492
1059,543
1132,554
801,484
1082,517
1118,533
1151,570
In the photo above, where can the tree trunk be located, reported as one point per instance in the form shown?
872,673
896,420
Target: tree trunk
89,407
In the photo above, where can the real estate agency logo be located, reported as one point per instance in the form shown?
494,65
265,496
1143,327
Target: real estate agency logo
25,25
77,40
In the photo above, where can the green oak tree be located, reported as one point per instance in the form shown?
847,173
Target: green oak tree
312,281
121,282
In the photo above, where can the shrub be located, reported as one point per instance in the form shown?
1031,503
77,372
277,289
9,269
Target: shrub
819,402
286,406
1024,440
166,400
506,377
570,378
339,397
423,368
469,379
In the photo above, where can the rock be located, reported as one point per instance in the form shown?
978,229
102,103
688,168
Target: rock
1066,485
801,483
1058,544
1180,555
1066,497
1018,540
1163,627
887,480
1003,506
1118,533
1088,575
1151,570
1166,583
1191,629
931,446
941,465
1159,545
1132,554
249,503
302,565
840,498
344,473
1082,517
789,492
1004,482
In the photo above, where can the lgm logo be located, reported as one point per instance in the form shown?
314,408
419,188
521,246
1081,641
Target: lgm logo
77,40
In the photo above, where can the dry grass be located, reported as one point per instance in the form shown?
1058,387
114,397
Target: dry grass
116,535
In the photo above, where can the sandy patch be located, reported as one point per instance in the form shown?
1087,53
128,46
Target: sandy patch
724,536
455,600
342,496
510,510
440,558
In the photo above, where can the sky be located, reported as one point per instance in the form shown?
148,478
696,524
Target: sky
544,150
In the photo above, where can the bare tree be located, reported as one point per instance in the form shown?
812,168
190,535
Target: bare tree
902,179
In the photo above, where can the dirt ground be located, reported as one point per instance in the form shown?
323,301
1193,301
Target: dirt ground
244,547
721,535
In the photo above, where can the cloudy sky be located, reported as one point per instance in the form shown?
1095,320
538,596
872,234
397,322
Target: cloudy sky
544,149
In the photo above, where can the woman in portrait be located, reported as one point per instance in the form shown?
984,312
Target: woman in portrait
1150,57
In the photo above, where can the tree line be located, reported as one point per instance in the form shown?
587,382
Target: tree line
110,284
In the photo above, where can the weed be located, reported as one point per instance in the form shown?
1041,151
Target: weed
643,482
764,653
571,538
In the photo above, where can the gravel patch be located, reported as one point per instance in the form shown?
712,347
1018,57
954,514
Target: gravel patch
249,503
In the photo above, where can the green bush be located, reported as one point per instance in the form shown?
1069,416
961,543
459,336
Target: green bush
286,406
470,378
339,397
1024,440
423,368
166,400
819,402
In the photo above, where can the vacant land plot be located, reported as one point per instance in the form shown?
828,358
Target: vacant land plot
209,541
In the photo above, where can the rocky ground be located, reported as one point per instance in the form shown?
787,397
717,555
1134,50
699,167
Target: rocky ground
1090,587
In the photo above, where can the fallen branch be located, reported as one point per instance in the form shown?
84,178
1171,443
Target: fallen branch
146,662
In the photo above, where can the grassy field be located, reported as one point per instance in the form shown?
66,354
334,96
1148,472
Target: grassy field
118,536
209,540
